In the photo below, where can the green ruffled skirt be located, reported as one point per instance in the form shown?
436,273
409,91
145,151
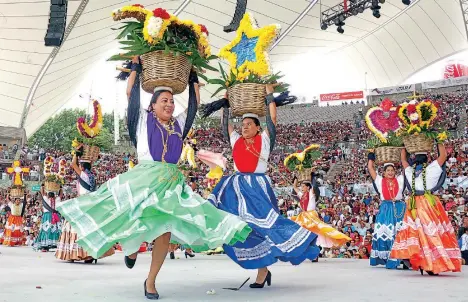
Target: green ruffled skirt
144,203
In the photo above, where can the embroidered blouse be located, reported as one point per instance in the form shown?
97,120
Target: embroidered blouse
384,186
433,173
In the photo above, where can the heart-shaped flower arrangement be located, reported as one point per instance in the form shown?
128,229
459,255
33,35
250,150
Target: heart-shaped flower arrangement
383,120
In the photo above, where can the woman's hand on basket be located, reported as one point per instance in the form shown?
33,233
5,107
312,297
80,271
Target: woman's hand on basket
136,60
270,88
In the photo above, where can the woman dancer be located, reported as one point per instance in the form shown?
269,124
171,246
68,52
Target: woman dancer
389,219
68,248
248,194
50,223
14,235
309,194
152,201
427,237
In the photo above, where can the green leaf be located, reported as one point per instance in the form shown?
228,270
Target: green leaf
217,82
117,58
218,91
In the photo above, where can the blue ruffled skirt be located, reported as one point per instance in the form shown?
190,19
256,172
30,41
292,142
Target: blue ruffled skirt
274,237
387,225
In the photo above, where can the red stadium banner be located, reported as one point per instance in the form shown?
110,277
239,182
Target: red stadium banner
341,96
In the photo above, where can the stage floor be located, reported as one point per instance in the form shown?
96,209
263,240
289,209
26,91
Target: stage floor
22,270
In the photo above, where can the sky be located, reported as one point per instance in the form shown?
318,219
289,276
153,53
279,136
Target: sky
101,84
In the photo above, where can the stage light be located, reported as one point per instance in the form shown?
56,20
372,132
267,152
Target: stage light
340,30
406,2
324,26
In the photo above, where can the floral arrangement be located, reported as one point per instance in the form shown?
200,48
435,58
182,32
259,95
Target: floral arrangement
305,159
94,128
50,176
419,118
159,30
384,122
247,55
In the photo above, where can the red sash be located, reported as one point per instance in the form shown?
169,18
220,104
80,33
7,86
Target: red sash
245,160
304,201
386,191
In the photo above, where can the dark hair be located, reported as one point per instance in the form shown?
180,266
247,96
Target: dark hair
308,184
86,166
155,97
254,119
51,194
420,159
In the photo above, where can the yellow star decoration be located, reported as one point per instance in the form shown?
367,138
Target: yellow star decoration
248,52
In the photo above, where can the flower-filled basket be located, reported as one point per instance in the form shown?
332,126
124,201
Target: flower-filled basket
250,68
419,119
303,162
86,147
384,122
53,180
168,46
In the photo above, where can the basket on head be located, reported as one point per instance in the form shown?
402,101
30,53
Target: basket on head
247,98
51,186
418,143
304,175
161,69
90,153
16,193
387,155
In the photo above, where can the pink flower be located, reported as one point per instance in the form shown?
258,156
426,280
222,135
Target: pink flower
204,29
161,13
138,5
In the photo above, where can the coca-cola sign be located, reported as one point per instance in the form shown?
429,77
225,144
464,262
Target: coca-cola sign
341,96
454,69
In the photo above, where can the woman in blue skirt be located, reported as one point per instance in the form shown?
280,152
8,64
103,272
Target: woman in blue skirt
249,195
390,216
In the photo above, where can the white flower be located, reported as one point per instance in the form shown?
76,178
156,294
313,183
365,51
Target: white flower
413,102
385,135
154,26
414,116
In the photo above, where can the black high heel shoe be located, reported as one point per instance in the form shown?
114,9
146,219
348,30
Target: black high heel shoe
90,261
190,255
150,296
129,262
261,285
171,255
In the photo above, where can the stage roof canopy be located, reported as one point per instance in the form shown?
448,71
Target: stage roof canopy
36,81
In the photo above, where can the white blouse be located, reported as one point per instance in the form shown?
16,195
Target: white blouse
47,200
433,172
401,186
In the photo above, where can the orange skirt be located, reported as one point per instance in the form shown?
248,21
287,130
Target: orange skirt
13,235
429,241
327,236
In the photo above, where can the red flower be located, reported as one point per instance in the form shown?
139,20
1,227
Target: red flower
161,13
138,5
386,104
411,109
204,29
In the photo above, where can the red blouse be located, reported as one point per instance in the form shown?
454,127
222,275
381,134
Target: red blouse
246,161
304,201
390,188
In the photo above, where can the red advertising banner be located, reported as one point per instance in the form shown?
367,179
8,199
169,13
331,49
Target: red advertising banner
341,96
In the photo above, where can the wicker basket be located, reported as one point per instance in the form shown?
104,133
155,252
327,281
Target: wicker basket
160,69
90,153
387,155
418,143
247,98
304,175
50,186
17,193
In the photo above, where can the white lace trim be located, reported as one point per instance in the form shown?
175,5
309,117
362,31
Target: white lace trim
430,229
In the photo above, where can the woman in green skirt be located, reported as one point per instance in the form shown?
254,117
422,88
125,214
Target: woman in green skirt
152,200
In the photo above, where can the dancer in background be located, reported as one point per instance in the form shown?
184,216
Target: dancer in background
309,194
249,195
14,235
51,224
389,219
152,201
427,237
68,248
